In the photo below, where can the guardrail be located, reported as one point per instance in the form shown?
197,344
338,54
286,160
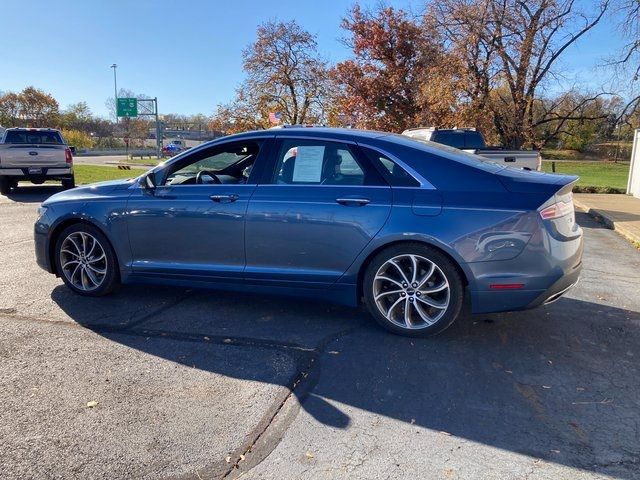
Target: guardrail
134,152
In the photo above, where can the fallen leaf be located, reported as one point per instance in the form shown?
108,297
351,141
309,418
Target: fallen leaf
228,459
309,455
92,404
241,457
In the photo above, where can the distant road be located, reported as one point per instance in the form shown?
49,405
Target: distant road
107,160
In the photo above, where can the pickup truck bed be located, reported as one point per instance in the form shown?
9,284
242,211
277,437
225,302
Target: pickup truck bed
470,140
529,159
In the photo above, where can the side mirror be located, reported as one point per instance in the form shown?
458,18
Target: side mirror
149,181
73,149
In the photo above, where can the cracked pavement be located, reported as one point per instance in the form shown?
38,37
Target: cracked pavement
200,384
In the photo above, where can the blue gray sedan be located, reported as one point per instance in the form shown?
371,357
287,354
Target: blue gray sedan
409,228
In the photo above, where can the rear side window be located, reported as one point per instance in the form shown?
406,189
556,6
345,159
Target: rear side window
393,173
317,162
34,137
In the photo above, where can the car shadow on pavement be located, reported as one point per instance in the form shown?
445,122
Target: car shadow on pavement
558,383
33,193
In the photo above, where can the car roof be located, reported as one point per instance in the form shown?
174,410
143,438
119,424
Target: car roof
27,129
318,132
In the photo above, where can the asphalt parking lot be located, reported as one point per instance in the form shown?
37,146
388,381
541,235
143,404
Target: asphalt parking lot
196,384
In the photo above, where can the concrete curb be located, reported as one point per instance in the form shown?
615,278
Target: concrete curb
608,221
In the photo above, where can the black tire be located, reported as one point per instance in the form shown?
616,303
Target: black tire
69,183
111,277
445,272
5,186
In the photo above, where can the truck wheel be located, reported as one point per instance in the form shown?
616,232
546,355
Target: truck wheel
5,186
70,183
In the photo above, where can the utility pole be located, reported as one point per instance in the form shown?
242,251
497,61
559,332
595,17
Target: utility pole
115,90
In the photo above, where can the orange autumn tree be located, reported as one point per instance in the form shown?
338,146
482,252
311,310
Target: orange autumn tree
382,86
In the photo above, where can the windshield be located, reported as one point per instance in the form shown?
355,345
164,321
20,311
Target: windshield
34,137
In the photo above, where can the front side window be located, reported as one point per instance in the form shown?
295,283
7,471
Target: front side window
229,164
316,162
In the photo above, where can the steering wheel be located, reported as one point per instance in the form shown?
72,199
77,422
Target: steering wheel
202,173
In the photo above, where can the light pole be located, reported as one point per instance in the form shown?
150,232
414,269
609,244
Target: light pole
115,90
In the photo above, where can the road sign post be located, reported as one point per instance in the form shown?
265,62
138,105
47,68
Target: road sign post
127,107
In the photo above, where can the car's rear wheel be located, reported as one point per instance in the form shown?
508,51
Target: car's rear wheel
413,289
69,183
85,260
5,186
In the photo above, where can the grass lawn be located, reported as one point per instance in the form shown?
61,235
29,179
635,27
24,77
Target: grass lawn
594,174
97,173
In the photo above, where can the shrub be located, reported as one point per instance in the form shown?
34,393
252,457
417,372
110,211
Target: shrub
77,138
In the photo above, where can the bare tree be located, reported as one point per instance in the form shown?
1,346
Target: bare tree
511,49
626,63
285,74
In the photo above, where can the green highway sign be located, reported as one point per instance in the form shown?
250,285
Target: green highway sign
127,107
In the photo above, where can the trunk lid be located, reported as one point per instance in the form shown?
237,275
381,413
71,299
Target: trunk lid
526,181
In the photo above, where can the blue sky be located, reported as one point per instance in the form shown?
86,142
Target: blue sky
187,53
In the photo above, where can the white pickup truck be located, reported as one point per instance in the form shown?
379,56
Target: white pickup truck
472,141
35,155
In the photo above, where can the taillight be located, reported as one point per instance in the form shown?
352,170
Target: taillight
557,210
67,156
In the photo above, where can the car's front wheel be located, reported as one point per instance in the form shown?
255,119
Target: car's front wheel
413,289
85,260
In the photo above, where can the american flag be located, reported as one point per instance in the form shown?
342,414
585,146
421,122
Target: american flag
274,117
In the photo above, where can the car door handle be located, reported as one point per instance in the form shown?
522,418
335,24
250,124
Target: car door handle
225,198
354,201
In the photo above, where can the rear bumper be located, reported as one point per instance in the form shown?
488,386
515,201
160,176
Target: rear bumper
547,268
47,172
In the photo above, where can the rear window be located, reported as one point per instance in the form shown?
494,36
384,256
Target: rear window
474,140
462,139
451,138
35,137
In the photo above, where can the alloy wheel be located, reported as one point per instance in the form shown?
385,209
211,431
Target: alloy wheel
83,261
411,291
